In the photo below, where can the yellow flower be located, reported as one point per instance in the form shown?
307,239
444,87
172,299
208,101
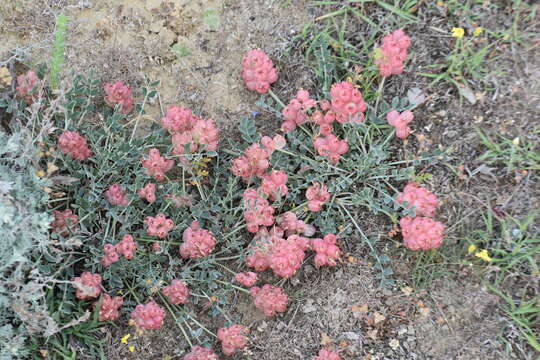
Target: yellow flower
484,255
124,340
478,31
40,173
471,249
131,348
458,32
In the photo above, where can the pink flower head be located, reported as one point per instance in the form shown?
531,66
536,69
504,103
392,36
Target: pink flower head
269,299
400,122
179,201
116,195
327,354
324,121
257,211
393,53
421,233
119,94
109,307
178,119
74,144
423,200
148,316
278,142
258,71
177,292
259,257
88,286
197,242
204,133
327,250
274,184
331,147
201,353
291,225
232,338
65,222
158,226
254,162
148,192
157,165
296,112
286,256
126,247
28,86
111,256
248,279
317,194
347,103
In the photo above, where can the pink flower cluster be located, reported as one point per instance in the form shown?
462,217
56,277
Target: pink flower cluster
327,354
347,103
400,122
197,243
148,193
28,87
201,353
257,211
258,71
126,247
116,195
158,226
393,53
421,233
296,112
290,225
248,279
269,299
423,200
253,163
331,147
65,222
278,142
157,165
274,184
148,316
74,144
119,94
88,286
232,338
326,249
317,195
109,307
177,292
287,255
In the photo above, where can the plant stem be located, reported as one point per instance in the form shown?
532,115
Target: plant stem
379,95
234,286
275,97
176,320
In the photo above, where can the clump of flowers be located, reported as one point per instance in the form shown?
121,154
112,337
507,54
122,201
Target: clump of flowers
327,354
148,192
260,250
204,133
421,233
116,195
258,212
74,144
289,222
65,222
324,120
201,353
296,112
248,279
27,87
274,184
178,119
331,147
278,142
258,71
400,122
148,316
88,286
393,53
156,165
177,292
119,94
109,307
111,255
269,299
347,103
126,247
232,338
158,226
424,201
254,162
327,251
198,242
287,255
317,194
